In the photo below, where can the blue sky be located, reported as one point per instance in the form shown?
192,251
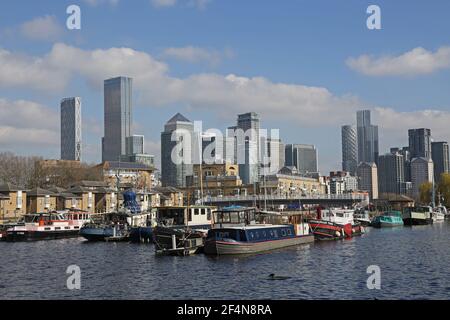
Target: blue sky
292,56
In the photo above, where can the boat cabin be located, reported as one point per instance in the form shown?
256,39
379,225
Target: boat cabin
256,233
191,216
234,215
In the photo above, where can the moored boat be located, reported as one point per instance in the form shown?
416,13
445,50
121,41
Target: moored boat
417,216
238,231
388,219
181,230
439,213
335,224
47,226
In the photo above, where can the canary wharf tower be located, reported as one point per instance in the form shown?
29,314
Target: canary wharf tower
71,129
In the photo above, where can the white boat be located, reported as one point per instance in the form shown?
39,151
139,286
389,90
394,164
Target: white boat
439,213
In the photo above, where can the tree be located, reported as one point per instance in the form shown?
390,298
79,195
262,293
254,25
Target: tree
444,189
425,192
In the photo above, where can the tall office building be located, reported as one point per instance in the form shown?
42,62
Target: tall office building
368,178
406,161
367,137
302,156
440,155
118,117
71,129
177,157
249,168
349,149
420,143
421,172
134,145
391,173
272,153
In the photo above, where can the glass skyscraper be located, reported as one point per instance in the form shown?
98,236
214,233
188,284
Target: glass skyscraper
420,143
349,149
118,117
367,138
71,129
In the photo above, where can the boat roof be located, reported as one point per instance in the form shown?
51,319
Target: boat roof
253,227
236,209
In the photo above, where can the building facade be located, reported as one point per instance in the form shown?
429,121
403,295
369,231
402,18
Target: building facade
13,202
301,156
178,143
367,136
118,117
349,149
368,178
421,172
249,147
440,156
134,145
71,146
420,143
391,173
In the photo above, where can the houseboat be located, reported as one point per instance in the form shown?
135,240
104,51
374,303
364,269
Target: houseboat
243,231
335,224
181,230
118,225
47,226
362,217
418,216
388,219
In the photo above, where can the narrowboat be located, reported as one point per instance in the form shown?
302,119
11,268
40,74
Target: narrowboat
335,224
241,231
388,219
47,226
417,216
181,230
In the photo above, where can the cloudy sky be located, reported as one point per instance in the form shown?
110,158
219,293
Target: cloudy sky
304,66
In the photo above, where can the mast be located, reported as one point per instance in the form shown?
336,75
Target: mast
433,195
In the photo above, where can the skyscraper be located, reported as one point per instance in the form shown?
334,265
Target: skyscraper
367,137
301,156
420,143
71,129
391,173
177,164
440,155
349,149
421,172
368,178
118,117
249,170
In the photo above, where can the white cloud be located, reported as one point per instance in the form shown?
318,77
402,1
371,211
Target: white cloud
45,28
193,54
25,123
418,61
222,95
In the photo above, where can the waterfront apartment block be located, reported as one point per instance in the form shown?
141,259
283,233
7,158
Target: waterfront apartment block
13,202
71,146
137,175
40,201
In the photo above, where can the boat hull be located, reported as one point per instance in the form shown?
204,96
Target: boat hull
17,236
216,247
96,234
417,222
141,234
380,224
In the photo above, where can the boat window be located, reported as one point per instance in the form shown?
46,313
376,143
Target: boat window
203,212
208,216
289,232
275,232
196,211
271,234
47,229
57,228
252,235
264,234
283,232
257,234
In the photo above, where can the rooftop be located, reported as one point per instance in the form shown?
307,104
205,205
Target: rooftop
178,118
